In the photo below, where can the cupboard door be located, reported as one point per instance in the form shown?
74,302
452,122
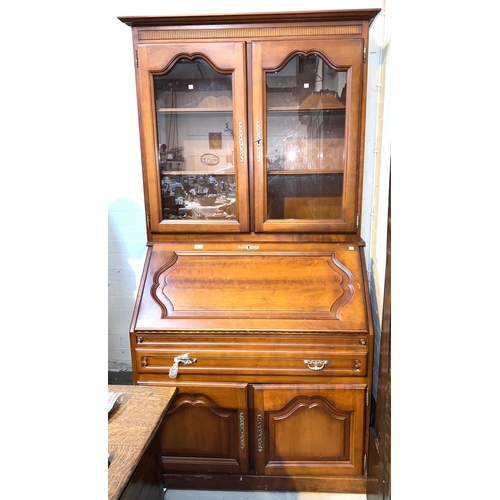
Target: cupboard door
206,429
193,123
309,429
307,110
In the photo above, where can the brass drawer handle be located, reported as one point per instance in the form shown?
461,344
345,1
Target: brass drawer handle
184,358
315,364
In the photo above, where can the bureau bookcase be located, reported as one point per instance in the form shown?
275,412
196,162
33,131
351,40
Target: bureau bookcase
254,300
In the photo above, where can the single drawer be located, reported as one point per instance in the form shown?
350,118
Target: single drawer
329,363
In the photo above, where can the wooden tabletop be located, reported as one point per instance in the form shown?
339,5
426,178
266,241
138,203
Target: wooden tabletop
131,427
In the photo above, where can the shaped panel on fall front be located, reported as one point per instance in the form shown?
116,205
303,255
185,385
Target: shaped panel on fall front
260,284
268,288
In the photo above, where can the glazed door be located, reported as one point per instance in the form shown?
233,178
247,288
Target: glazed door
206,429
309,429
307,109
193,111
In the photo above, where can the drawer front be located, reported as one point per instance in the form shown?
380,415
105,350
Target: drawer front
226,358
327,364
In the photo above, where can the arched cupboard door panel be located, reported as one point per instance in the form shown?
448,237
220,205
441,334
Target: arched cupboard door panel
205,429
307,429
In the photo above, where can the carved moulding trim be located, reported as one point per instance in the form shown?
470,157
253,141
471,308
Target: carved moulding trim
249,32
232,333
347,286
310,402
201,400
170,260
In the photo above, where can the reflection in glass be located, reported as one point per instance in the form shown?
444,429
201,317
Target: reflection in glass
306,118
195,142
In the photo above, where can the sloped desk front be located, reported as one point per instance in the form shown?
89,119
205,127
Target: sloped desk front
265,287
134,470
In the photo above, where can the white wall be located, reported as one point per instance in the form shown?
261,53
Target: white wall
127,233
376,171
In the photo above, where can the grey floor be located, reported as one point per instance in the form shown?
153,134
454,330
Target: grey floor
257,495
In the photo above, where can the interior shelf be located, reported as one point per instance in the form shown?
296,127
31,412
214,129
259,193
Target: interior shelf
195,110
304,172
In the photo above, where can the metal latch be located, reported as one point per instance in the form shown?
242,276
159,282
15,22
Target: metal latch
184,358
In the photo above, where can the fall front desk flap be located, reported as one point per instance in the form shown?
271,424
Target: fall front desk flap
252,287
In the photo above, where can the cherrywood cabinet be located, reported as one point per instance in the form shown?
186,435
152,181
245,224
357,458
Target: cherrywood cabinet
254,300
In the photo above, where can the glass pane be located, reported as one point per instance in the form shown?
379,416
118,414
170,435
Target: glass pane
305,139
195,142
